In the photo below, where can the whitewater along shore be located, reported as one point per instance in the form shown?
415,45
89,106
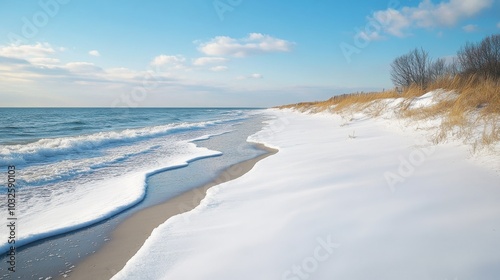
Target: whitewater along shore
129,236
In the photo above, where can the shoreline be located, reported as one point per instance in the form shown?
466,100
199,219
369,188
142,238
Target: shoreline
131,234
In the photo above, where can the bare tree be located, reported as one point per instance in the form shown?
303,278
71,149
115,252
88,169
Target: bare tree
453,68
412,68
482,58
438,69
401,71
442,67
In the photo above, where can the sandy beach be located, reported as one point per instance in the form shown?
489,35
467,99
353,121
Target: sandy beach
129,236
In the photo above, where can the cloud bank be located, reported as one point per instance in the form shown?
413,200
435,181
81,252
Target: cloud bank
398,22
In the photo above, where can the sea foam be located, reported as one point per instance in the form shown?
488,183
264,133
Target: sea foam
67,183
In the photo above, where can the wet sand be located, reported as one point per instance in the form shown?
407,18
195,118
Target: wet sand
130,235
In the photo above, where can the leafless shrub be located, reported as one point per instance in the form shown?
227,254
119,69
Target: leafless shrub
417,69
482,58
411,68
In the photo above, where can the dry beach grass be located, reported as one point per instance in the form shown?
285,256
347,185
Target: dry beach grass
470,109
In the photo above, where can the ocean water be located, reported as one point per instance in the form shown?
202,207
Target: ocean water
77,167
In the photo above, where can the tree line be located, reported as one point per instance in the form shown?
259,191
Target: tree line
418,68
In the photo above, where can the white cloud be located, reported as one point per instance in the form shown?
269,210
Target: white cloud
48,75
498,24
39,54
219,68
168,60
120,70
201,61
470,28
251,76
39,62
45,61
393,21
425,15
27,51
94,53
83,67
254,43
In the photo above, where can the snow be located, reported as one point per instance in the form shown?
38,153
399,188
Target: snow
47,215
370,198
432,98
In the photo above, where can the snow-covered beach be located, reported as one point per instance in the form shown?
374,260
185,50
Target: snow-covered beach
262,140
344,198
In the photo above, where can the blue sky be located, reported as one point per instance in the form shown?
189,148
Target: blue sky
208,53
